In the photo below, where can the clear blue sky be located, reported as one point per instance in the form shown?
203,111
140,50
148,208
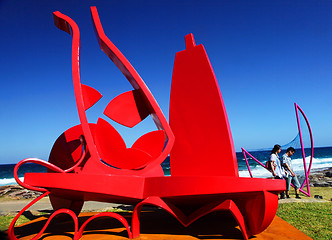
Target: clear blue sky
266,55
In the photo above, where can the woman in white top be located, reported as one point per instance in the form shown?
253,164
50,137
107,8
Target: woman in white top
274,161
275,166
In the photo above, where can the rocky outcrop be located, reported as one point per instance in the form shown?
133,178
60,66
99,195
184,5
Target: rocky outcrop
17,192
320,179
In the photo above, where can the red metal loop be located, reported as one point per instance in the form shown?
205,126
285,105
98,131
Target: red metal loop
11,233
106,214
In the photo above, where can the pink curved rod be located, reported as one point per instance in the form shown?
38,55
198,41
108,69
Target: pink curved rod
302,146
245,152
11,233
66,24
245,157
105,214
136,81
303,153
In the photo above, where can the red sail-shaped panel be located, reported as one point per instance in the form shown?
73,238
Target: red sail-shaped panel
127,109
204,144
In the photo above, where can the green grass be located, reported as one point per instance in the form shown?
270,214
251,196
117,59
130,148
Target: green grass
325,192
7,219
313,219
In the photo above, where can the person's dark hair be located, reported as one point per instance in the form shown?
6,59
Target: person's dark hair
275,148
290,149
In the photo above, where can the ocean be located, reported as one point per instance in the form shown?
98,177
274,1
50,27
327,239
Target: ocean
322,160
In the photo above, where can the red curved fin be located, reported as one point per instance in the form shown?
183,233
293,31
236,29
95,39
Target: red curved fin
113,151
90,96
127,109
107,138
152,143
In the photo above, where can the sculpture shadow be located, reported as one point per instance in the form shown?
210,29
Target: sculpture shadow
43,213
216,225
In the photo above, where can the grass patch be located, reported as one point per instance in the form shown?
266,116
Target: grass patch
325,192
313,219
116,210
7,219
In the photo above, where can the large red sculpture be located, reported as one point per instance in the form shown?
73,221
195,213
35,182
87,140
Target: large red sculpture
91,161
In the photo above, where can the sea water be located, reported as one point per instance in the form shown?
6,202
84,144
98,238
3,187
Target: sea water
322,159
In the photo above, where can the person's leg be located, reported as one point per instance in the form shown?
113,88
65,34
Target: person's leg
288,183
296,184
282,194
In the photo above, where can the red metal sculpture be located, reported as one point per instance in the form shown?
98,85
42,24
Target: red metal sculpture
91,161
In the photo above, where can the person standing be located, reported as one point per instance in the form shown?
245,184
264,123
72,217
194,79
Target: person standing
290,177
274,165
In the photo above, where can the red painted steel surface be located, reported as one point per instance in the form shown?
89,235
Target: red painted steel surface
127,109
91,161
198,118
141,98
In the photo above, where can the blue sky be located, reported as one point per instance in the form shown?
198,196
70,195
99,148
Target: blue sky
266,55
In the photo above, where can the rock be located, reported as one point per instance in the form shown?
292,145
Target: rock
317,175
328,174
321,184
15,198
17,192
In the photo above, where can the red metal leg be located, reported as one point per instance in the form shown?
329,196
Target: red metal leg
60,203
258,211
156,201
187,220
